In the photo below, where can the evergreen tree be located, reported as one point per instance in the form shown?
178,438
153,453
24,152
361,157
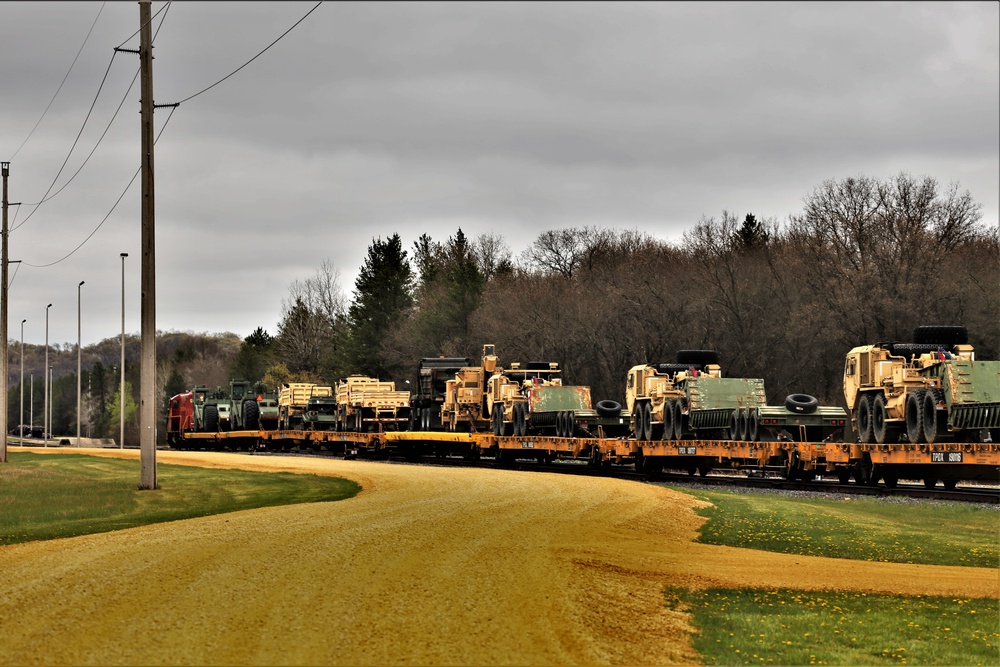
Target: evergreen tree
383,293
254,356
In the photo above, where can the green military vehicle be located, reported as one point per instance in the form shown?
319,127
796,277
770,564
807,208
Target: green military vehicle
320,414
245,413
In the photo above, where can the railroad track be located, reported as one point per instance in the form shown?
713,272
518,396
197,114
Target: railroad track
970,494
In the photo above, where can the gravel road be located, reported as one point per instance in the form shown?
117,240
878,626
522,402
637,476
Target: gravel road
427,566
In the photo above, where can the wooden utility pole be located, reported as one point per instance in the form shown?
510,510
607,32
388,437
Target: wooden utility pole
5,170
147,379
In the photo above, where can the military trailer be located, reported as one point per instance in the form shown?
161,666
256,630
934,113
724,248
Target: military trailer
320,414
369,404
927,391
292,400
800,419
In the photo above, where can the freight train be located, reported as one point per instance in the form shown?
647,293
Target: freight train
683,415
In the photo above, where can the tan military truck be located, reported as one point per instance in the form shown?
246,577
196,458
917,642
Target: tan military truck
466,405
929,390
654,398
292,400
369,404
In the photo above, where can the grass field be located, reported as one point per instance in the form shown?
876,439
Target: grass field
925,532
60,495
787,627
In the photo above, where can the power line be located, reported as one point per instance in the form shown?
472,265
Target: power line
115,205
61,83
255,57
166,6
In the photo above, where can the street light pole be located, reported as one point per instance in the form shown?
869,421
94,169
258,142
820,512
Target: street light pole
121,392
45,405
20,429
79,357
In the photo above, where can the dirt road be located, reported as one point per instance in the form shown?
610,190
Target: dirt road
426,566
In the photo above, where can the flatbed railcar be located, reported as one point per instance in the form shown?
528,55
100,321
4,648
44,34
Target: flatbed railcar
864,463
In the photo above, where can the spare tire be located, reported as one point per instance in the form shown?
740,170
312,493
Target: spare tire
940,334
801,403
608,408
697,357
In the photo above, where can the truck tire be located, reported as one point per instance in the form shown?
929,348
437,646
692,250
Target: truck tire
668,420
804,404
569,423
251,416
647,421
937,334
679,407
880,426
733,432
930,414
753,426
608,408
697,357
211,419
913,411
864,419
744,426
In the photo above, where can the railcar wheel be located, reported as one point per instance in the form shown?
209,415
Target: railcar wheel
843,475
864,419
950,484
929,482
914,413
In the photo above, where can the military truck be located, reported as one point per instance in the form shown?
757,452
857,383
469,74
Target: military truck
267,406
369,404
320,414
292,400
245,413
465,406
211,410
533,401
429,390
930,390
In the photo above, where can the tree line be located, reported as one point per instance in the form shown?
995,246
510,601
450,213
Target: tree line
866,260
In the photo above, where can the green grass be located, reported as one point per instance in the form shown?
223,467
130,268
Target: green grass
60,495
786,627
930,533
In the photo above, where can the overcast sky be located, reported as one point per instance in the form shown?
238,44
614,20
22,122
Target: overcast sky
370,119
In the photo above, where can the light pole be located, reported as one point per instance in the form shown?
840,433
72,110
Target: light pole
45,405
79,356
20,429
121,392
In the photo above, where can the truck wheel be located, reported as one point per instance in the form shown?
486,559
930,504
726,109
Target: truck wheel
679,419
880,428
520,425
647,421
211,418
744,426
753,426
932,397
733,433
251,416
668,420
569,423
914,414
864,419
803,404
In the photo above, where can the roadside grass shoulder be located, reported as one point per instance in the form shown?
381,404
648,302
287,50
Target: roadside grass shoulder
788,627
929,533
61,495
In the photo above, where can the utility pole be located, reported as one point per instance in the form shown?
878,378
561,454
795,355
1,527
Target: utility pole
5,171
79,357
147,384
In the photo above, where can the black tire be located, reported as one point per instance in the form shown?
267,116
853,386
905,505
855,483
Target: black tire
211,415
668,420
939,334
914,414
251,416
697,357
949,484
569,423
496,421
520,420
753,426
864,419
733,432
929,482
880,428
801,403
608,408
932,397
744,426
647,421
679,419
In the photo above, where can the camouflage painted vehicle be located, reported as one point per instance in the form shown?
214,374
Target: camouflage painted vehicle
930,390
320,414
